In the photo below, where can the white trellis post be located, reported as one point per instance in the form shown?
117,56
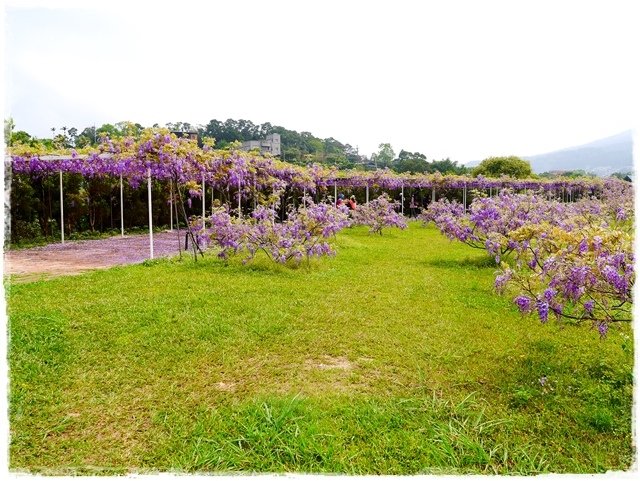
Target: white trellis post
150,219
335,194
402,199
367,194
203,201
121,208
239,199
61,210
171,206
464,197
433,194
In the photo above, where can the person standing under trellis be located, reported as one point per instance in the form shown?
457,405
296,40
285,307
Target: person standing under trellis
412,206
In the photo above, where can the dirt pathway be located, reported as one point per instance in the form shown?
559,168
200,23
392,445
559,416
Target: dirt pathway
74,257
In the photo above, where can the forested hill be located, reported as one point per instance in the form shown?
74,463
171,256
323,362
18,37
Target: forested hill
297,147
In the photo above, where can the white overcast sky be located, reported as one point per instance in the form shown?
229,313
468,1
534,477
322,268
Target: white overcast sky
458,79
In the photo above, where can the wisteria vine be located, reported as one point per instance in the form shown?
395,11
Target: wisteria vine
570,260
305,234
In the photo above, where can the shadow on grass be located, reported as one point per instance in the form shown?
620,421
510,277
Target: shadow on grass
260,265
467,262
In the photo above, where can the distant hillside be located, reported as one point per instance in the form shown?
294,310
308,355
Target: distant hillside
602,157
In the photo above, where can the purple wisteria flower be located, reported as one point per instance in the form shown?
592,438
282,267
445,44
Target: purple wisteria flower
583,247
603,328
589,305
524,303
543,310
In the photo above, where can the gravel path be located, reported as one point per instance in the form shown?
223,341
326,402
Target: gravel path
74,257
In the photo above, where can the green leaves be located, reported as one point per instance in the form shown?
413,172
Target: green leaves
497,166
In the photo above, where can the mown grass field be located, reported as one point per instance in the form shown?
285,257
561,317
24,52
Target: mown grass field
396,356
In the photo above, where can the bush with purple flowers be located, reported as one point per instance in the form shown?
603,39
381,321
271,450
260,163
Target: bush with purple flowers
304,234
378,214
571,260
490,220
583,275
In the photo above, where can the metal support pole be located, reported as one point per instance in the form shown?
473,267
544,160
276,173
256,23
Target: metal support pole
304,197
433,194
239,200
150,219
464,197
121,208
171,206
402,200
367,194
335,194
203,201
61,210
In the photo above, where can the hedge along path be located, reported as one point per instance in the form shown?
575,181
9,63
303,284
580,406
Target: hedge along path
75,257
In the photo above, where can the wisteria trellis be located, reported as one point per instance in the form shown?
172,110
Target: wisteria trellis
162,156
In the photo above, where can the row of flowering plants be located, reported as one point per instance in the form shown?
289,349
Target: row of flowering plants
165,156
182,171
572,261
305,233
488,221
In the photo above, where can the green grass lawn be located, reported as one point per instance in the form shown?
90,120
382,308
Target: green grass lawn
396,356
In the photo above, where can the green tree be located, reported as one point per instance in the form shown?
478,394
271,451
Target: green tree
410,162
567,173
108,130
622,175
87,137
127,128
496,166
446,166
384,156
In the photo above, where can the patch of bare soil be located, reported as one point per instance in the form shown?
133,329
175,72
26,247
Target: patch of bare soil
75,257
328,362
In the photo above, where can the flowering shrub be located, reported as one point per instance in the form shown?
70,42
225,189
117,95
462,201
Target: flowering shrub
572,260
490,220
583,275
303,235
379,213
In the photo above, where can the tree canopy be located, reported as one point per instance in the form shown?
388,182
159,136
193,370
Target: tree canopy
497,166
